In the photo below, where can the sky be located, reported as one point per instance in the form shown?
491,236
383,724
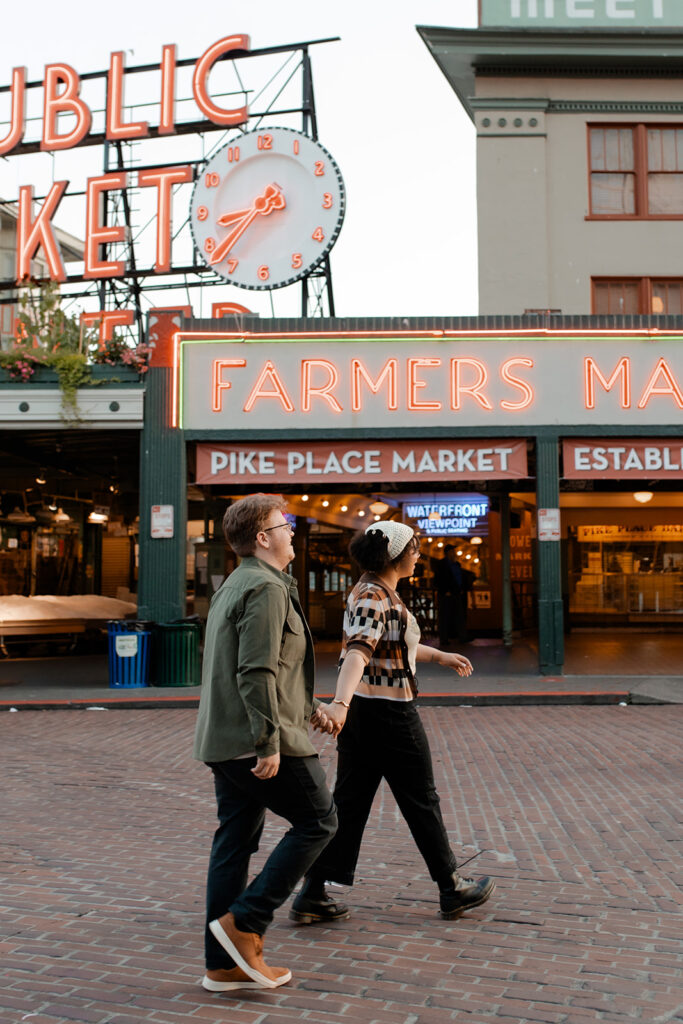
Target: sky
386,113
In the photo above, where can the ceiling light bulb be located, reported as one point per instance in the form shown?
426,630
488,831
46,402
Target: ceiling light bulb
459,552
643,496
40,479
476,561
325,503
344,508
440,544
377,518
379,507
468,556
361,513
475,540
304,497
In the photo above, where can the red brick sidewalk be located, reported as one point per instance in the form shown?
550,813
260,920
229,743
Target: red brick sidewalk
105,828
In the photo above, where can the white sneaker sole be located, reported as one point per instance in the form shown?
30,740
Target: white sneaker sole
230,948
227,986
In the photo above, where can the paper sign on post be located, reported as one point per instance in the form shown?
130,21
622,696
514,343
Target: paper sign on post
548,524
162,521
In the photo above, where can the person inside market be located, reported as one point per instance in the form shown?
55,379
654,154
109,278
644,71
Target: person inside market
252,731
453,584
380,733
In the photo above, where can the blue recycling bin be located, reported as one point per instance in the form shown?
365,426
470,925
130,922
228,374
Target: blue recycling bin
129,650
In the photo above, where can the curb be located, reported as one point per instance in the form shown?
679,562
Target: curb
525,698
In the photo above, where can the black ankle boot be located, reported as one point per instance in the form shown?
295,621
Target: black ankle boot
463,894
317,908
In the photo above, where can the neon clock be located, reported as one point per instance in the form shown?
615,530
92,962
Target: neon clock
267,208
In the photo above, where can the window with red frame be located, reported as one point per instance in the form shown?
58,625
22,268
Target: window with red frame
633,295
636,171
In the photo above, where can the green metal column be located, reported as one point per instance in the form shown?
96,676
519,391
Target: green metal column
505,566
163,481
550,608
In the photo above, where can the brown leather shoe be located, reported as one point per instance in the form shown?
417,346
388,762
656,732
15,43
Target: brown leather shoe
233,978
246,949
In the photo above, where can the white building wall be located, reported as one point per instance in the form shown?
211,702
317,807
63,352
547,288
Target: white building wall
537,249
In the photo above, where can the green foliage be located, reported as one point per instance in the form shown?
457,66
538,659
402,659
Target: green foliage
74,373
43,323
47,336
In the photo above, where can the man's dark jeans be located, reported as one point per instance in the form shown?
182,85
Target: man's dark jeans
385,739
297,793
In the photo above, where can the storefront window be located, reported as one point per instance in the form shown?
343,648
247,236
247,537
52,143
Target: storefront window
633,572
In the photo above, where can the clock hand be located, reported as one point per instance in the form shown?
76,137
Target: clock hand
272,199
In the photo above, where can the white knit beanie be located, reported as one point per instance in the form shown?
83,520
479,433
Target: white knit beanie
398,535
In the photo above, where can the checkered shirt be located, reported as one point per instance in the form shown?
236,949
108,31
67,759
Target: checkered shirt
375,624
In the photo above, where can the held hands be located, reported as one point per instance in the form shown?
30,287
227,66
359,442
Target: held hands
458,662
329,718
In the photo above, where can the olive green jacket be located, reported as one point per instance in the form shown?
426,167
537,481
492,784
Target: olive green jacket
258,671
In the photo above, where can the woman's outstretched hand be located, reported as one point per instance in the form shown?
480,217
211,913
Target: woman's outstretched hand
458,662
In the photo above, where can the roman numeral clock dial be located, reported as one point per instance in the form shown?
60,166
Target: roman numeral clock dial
267,208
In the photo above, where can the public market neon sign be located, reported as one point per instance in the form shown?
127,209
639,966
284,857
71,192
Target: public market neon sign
61,98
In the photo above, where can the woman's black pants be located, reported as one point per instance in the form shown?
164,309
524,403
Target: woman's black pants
384,739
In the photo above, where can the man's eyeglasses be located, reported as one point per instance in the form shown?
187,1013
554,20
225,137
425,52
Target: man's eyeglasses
279,526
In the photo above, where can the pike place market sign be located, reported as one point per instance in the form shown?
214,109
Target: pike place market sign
226,382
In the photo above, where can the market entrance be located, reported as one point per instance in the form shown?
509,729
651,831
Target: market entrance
336,488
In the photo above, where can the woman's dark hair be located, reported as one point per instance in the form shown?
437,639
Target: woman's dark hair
371,550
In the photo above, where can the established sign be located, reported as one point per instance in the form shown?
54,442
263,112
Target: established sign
581,14
616,459
347,462
234,383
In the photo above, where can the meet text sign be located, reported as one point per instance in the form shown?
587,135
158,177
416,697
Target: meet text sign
581,14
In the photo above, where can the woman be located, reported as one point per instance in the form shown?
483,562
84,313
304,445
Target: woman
380,732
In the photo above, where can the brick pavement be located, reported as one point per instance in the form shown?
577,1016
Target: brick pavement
105,827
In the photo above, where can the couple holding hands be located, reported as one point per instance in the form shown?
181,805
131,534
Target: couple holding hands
252,731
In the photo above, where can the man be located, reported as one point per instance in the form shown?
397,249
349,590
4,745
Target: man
256,704
453,583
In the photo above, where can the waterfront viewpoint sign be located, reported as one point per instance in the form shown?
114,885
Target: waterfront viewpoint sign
231,383
616,14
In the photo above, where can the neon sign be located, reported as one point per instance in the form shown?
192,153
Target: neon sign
455,515
432,379
62,85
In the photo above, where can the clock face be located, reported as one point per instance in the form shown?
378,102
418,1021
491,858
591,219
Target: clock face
267,208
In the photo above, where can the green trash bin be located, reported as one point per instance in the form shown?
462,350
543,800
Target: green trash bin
176,661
